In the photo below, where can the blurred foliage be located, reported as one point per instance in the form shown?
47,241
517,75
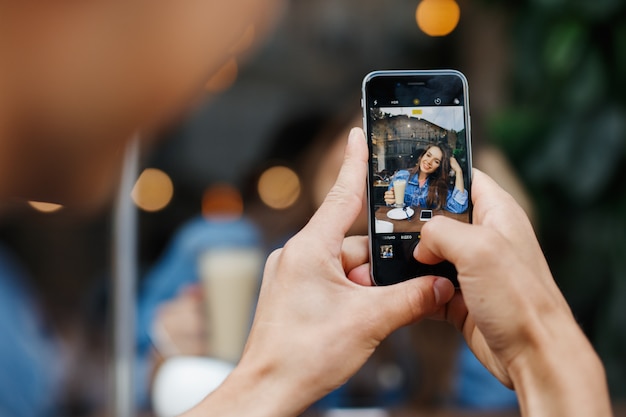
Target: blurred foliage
565,132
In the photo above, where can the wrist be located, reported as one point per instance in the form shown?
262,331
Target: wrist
560,374
253,391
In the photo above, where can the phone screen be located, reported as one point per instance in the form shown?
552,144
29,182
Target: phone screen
417,125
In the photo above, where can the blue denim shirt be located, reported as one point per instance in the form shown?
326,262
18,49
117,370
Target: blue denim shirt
456,201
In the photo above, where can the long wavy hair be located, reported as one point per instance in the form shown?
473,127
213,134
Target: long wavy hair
438,180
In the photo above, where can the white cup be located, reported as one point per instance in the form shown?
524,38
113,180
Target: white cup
230,280
383,226
181,382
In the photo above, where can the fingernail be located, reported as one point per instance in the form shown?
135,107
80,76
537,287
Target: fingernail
415,251
355,132
441,287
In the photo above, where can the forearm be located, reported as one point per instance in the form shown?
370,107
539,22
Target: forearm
562,376
458,180
253,392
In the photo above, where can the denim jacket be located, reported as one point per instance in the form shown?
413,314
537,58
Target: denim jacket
456,201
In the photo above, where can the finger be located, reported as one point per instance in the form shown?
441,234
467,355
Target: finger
355,258
484,188
409,301
499,210
442,239
496,208
492,203
354,252
344,201
456,311
360,275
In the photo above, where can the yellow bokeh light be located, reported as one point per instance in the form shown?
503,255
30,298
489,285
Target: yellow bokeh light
45,207
279,187
437,17
153,190
223,78
222,200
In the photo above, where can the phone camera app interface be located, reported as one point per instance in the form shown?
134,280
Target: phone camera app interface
419,166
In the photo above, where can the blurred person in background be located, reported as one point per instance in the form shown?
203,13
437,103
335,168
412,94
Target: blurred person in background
172,310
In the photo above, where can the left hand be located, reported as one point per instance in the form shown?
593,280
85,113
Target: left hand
454,164
318,318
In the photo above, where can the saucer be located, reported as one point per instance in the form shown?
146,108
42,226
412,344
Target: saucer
400,214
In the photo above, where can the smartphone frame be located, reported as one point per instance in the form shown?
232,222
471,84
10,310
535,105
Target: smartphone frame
411,80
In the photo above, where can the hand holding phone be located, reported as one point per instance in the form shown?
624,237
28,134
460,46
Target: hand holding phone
417,126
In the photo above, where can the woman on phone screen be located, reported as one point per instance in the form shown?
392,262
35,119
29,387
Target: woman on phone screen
427,182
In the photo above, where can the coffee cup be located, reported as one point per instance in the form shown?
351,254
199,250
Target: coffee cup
230,281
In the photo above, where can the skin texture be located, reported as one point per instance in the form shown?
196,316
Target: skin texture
315,325
511,313
315,290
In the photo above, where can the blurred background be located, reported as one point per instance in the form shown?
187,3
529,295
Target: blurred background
548,120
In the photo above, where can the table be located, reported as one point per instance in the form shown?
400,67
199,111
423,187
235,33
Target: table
414,224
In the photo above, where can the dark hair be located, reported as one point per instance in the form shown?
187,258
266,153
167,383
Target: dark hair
438,180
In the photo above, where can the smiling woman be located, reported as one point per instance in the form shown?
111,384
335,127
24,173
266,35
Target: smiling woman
426,184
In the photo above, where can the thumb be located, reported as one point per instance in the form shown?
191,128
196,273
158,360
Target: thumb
410,301
344,201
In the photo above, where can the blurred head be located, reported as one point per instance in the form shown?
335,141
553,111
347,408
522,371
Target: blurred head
79,78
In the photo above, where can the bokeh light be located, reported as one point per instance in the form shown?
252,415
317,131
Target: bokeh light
45,207
223,78
222,200
437,17
279,187
153,190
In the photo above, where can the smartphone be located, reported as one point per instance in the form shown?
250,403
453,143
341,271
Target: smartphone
426,215
418,130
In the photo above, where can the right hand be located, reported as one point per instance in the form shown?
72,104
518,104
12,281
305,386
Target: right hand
510,310
390,196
